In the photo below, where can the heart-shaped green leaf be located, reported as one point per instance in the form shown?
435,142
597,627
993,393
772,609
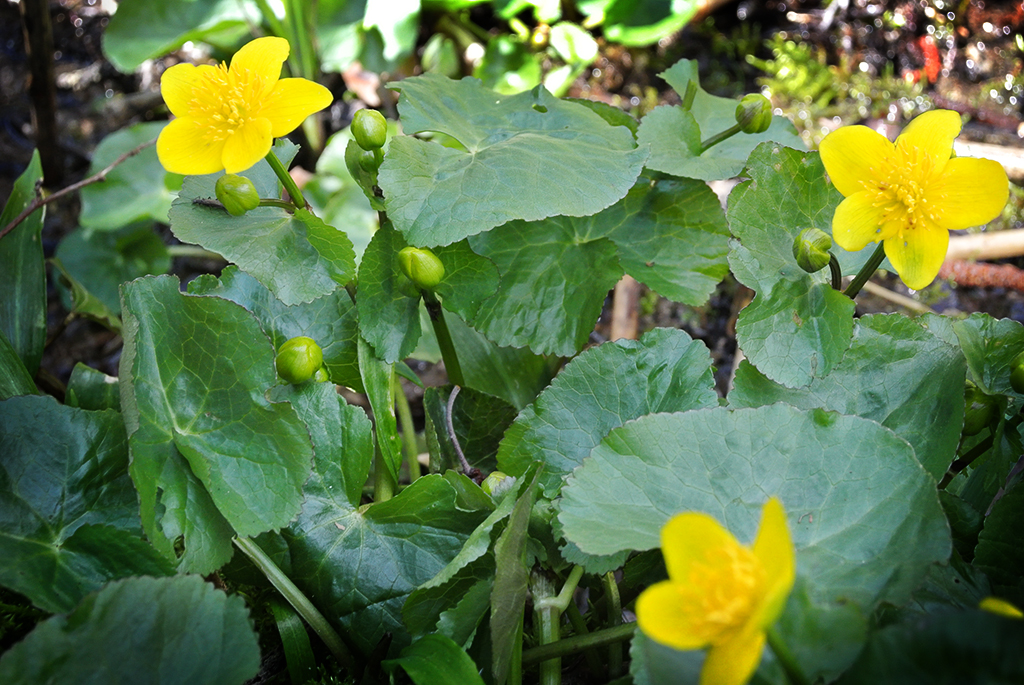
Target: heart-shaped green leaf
212,457
601,389
71,518
513,147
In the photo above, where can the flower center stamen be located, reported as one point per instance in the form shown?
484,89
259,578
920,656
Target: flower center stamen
223,101
721,592
898,189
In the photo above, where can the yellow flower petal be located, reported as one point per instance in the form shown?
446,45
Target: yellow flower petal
857,222
734,661
1001,607
262,57
932,134
183,148
176,88
687,538
971,192
292,100
774,547
247,145
850,154
661,614
917,256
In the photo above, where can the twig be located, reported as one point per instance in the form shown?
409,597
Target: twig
901,300
466,468
95,178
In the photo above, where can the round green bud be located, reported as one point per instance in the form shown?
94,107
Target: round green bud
370,129
754,113
370,160
497,483
421,266
237,194
979,409
811,249
1017,373
299,359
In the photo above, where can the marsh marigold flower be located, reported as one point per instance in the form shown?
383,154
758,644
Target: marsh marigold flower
227,117
910,193
720,595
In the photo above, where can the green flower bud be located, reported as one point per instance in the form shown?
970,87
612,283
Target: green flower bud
754,113
321,375
299,359
811,249
422,267
497,483
370,129
370,160
1017,373
979,409
237,194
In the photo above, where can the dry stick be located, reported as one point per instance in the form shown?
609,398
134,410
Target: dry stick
95,178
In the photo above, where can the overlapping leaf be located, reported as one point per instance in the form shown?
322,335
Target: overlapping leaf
142,30
296,255
23,272
601,389
895,372
330,320
556,273
361,565
797,327
863,514
674,134
211,456
102,260
70,518
528,157
137,190
173,631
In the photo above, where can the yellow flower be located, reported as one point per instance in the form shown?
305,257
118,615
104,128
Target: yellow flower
227,117
910,193
720,594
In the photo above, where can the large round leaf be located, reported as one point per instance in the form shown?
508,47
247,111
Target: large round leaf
864,515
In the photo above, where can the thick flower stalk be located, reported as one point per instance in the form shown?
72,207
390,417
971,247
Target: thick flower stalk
910,193
720,595
228,117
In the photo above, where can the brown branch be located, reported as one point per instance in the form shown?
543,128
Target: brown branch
95,178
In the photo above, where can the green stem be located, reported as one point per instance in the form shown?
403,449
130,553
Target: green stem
979,449
719,137
786,659
866,271
444,339
192,251
837,272
298,600
276,27
287,181
611,591
384,485
409,445
579,624
274,202
579,643
546,618
564,598
691,92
